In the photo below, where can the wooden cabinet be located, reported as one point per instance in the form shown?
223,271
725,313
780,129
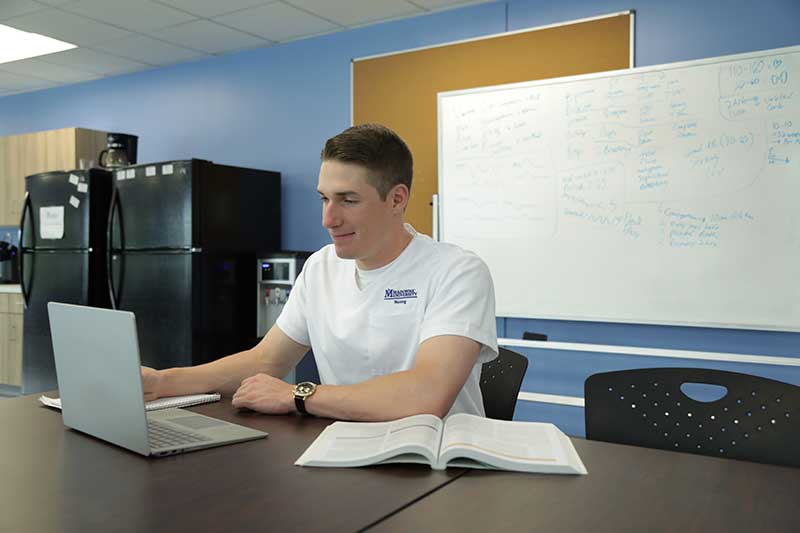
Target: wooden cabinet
31,153
10,339
20,156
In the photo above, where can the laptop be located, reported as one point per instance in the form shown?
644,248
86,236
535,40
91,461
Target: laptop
99,380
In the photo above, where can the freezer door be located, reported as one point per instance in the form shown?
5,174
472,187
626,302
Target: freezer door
51,276
158,289
153,207
56,215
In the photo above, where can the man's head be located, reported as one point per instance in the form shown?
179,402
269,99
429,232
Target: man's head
378,149
364,185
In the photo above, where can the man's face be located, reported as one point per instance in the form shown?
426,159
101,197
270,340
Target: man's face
358,221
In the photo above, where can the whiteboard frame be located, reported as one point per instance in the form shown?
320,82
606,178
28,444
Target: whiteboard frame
595,76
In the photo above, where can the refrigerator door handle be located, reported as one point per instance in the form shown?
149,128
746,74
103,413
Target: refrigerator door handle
110,246
26,207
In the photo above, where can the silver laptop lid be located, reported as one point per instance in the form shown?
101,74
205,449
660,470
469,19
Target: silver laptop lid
99,376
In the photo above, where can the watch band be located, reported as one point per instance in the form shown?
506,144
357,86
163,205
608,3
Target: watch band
300,403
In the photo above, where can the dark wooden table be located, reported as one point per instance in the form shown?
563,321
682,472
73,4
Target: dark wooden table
627,489
54,479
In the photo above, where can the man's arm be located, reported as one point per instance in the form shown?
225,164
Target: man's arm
442,366
275,355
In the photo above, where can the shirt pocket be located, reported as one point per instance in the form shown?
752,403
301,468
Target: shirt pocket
392,338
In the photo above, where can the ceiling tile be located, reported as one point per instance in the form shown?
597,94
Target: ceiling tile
66,27
53,2
48,71
208,37
148,50
10,81
354,12
92,61
438,4
135,15
15,8
212,8
277,22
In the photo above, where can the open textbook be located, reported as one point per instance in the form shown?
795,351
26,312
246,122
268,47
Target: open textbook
461,441
162,403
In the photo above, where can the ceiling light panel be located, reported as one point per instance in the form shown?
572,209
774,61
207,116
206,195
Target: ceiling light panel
18,44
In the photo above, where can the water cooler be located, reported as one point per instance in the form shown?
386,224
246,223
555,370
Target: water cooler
276,276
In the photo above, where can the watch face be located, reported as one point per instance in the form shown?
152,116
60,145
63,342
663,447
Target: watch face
304,389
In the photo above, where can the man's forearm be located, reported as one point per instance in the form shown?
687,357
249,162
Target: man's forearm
223,375
275,355
381,398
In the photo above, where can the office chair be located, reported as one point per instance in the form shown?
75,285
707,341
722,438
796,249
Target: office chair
501,380
758,419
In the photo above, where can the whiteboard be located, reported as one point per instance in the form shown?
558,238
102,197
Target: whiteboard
666,194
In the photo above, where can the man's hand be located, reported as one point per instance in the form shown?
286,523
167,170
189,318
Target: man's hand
151,383
266,394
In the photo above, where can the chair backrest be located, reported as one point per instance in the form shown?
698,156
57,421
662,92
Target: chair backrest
501,379
758,419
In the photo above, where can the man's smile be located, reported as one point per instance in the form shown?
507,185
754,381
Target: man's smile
342,237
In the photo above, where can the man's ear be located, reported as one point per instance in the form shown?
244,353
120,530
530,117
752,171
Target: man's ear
399,196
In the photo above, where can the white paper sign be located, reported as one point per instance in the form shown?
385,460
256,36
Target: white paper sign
83,187
130,173
74,202
149,171
120,175
73,179
51,222
166,170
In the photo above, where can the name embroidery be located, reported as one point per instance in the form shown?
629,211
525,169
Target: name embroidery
400,296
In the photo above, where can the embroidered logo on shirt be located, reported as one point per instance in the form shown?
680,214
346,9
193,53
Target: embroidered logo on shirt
400,296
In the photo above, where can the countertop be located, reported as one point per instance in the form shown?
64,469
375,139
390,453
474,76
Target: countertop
10,288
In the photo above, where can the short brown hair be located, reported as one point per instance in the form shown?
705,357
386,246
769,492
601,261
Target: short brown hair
377,148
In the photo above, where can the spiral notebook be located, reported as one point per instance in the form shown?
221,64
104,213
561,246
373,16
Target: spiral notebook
155,405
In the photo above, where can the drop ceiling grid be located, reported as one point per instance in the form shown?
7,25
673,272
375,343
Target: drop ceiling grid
121,36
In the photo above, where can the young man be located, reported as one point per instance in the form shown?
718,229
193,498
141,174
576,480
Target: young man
399,324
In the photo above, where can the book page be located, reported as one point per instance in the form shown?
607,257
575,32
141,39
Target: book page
411,439
504,444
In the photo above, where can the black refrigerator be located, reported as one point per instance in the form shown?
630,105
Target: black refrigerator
182,244
62,258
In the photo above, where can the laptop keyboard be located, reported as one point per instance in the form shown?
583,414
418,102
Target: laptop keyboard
164,436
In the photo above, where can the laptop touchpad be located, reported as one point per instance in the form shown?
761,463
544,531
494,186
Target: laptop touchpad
197,422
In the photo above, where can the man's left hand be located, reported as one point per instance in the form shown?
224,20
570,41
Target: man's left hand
265,394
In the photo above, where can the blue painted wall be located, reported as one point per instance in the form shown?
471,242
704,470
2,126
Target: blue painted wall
274,107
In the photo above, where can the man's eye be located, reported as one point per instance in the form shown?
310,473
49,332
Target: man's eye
323,199
349,201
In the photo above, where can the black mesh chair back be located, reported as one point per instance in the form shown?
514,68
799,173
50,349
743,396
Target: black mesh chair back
501,379
757,419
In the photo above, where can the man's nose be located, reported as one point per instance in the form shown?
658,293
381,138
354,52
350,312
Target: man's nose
330,215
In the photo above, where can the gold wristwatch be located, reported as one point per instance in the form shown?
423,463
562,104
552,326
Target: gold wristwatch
302,391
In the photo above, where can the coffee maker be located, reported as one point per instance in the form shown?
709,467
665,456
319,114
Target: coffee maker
9,266
120,151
